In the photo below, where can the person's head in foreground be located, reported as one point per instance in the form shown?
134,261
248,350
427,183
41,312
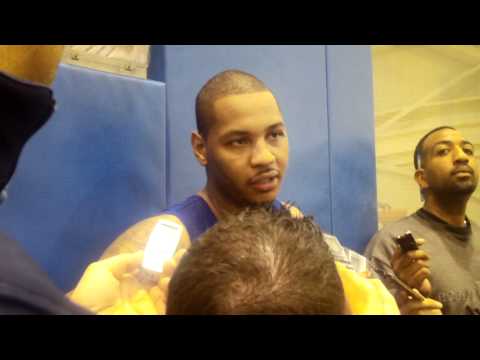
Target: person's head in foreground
258,262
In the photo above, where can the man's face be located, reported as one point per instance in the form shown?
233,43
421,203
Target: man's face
449,166
247,148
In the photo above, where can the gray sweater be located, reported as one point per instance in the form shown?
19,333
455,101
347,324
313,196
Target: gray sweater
454,258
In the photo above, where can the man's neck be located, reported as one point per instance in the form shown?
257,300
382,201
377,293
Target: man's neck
449,210
220,206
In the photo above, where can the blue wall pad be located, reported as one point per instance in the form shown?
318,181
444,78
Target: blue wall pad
352,144
332,164
95,169
296,74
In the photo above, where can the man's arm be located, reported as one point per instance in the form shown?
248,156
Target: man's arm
135,238
111,286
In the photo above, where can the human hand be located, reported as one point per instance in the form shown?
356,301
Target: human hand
294,211
411,306
138,298
413,268
100,285
160,292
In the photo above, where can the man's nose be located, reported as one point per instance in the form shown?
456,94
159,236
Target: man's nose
460,156
262,155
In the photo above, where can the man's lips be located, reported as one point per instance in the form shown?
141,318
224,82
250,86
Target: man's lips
264,177
266,181
464,170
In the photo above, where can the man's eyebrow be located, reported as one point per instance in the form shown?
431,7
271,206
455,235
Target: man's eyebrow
448,142
279,124
233,133
442,142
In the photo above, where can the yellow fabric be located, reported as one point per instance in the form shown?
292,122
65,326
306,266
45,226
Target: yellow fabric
140,304
36,63
366,296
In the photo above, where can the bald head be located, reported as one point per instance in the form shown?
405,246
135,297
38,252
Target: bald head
419,154
226,83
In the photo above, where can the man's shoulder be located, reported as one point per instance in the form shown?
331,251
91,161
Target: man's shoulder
185,213
145,227
383,239
172,213
135,237
151,221
398,226
190,203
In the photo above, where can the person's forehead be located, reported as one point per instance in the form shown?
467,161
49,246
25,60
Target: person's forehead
245,104
449,135
246,110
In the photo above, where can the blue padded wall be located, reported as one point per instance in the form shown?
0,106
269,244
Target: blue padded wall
296,74
325,93
352,144
95,169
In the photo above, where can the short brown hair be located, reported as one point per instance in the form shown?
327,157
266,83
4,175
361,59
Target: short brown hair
258,262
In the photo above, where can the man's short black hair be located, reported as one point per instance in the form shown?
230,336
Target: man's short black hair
258,262
229,82
418,155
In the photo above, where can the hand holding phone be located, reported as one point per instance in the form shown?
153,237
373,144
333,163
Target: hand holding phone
406,242
410,264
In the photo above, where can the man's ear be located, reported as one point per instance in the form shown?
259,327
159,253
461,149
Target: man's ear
420,179
199,148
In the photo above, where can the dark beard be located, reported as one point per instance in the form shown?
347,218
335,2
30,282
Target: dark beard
228,191
455,191
464,188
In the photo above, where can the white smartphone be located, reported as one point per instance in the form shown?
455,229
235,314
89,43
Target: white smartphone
161,245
